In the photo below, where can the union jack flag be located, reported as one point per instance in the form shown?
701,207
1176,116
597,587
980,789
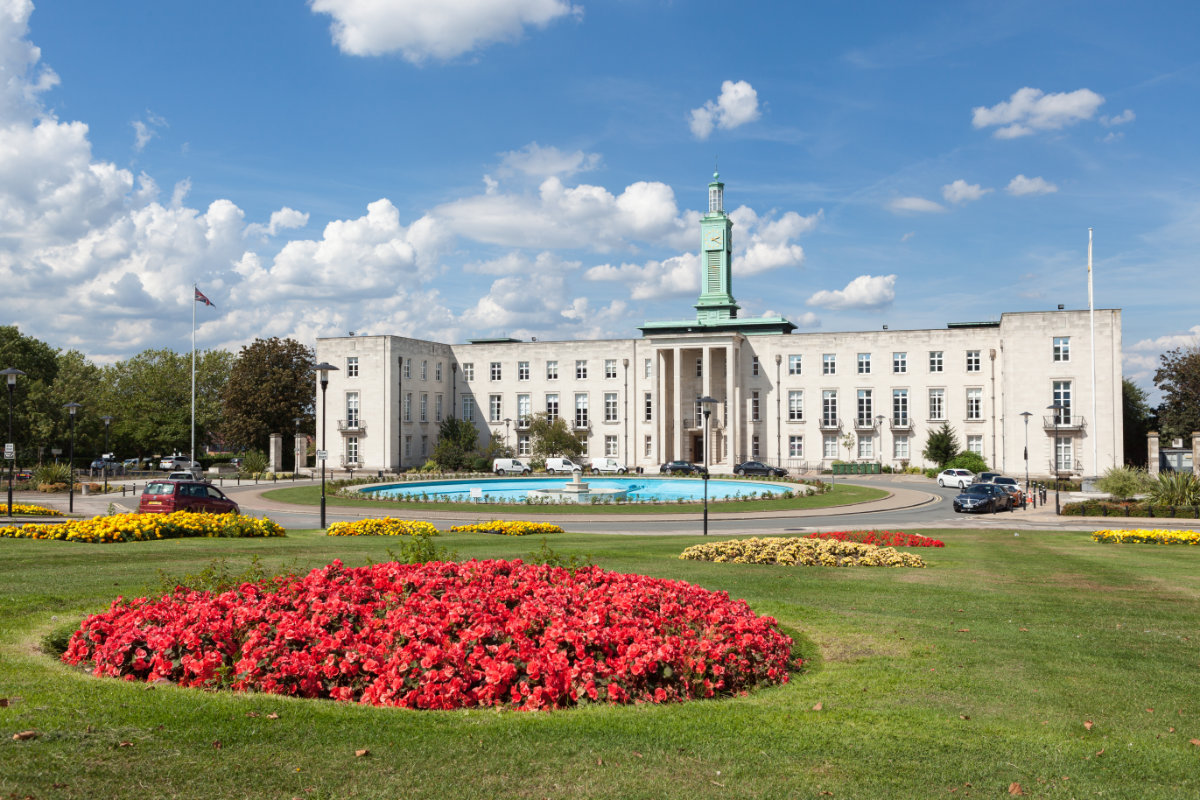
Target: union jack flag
200,298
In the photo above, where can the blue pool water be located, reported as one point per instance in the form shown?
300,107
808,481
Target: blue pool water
634,488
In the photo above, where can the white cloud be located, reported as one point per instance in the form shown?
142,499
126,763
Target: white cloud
678,276
23,79
907,236
914,205
420,30
806,319
865,291
1021,185
1030,110
736,106
544,162
1124,117
961,192
145,130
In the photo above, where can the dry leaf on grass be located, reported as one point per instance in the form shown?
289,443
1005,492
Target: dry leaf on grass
217,745
1087,723
23,735
125,744
1014,788
1195,742
817,707
272,716
361,753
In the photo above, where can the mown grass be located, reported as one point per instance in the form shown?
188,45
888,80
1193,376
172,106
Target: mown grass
957,680
840,495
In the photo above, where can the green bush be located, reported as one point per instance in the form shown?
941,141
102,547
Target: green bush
1175,489
254,463
51,474
1124,482
968,460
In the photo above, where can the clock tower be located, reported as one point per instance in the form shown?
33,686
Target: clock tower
716,303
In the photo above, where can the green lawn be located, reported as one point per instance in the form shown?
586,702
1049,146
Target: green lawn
953,681
842,494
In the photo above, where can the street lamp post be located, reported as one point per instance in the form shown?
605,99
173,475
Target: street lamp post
10,375
706,402
778,413
72,408
1056,407
507,422
322,370
296,448
1027,415
104,456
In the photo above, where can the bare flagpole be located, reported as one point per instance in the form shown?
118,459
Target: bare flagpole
1092,319
192,454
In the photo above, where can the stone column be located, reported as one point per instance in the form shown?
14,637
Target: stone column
732,399
276,452
1152,452
1196,452
300,451
676,407
707,391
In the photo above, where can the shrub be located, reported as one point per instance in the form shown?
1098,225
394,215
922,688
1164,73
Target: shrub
1124,482
254,463
50,474
968,460
1175,489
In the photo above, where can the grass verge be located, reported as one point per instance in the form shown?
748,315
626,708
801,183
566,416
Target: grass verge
1043,659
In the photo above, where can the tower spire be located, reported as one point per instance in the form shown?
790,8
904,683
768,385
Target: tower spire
716,303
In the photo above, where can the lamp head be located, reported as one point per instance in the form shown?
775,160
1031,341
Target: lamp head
322,371
72,408
10,375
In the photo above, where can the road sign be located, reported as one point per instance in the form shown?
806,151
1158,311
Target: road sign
10,452
321,455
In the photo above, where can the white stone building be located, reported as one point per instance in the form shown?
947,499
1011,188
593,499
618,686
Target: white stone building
793,399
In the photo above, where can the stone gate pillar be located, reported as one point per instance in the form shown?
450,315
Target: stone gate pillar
276,464
1152,452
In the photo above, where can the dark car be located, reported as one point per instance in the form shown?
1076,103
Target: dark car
108,465
986,477
759,468
680,467
1013,487
984,497
167,496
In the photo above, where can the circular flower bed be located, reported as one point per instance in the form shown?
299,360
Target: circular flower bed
1144,536
30,510
445,635
882,538
388,526
145,527
802,551
503,528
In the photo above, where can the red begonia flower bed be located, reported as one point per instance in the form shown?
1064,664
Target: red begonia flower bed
881,538
445,635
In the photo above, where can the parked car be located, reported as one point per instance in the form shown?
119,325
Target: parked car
167,496
606,464
135,463
1013,486
984,497
554,465
986,477
962,478
184,475
109,465
680,468
170,463
503,466
759,468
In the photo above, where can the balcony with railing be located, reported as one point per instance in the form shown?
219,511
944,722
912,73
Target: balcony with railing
864,423
830,424
352,427
902,424
581,421
1063,422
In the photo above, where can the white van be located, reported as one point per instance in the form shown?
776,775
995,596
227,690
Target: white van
554,465
503,466
608,465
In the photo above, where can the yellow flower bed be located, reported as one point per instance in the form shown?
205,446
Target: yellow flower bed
30,510
388,526
503,528
1147,536
802,551
146,527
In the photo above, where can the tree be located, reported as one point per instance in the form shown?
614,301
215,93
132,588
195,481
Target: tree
553,438
1178,378
942,445
34,409
1138,421
456,444
270,385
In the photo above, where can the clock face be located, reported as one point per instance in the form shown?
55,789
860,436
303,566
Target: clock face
714,240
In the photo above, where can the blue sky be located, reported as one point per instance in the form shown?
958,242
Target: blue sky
537,167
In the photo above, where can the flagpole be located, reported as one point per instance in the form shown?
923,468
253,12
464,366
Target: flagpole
1092,318
192,456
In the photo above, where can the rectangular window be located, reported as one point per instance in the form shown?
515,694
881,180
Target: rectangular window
424,370
437,408
551,407
522,370
468,408
495,412
610,446
551,370
580,370
610,368
935,360
899,363
829,446
424,407
352,409
829,364
699,367
1064,452
829,409
900,407
864,363
408,445
585,442
795,406
581,410
495,370
1062,348
408,407
975,444
352,366
866,446
866,408
469,371
795,364
351,449
437,371
755,402
974,403
524,410
755,451
610,406
649,368
937,404
524,444
424,446
900,447
973,363
796,446
407,368
1062,398
754,366
648,406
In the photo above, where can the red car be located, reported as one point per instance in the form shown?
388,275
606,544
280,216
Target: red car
167,496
